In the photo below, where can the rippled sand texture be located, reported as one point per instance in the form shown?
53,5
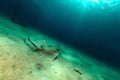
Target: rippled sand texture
20,61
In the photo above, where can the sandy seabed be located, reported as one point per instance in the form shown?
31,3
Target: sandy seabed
20,61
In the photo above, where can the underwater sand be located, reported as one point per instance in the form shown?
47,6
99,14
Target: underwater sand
19,62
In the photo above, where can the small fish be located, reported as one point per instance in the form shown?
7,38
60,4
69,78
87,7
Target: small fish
55,58
77,71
